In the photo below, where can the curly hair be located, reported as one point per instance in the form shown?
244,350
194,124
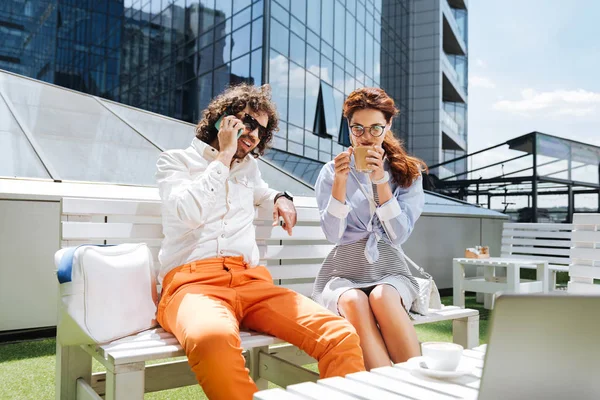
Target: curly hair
234,100
405,169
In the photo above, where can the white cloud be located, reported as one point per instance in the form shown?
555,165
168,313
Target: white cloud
481,81
576,103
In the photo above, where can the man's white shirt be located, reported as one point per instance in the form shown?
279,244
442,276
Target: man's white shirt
207,208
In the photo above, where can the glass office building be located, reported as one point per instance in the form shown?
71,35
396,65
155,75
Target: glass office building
172,56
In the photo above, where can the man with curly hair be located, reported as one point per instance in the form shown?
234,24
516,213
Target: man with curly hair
211,283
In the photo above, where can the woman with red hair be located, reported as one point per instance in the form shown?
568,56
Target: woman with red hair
368,216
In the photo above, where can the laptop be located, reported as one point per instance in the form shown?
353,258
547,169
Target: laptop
543,347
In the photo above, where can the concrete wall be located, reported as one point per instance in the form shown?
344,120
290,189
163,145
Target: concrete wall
29,232
436,240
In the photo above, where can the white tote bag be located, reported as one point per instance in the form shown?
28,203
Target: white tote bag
107,292
428,296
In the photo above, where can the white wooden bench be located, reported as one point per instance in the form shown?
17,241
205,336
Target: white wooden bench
293,262
585,255
545,241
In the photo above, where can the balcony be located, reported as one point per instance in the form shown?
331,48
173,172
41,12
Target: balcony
461,4
452,138
452,90
453,37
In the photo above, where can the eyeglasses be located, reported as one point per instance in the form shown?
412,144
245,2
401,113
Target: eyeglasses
251,124
374,130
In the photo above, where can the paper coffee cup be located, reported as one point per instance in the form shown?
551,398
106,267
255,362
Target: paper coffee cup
360,158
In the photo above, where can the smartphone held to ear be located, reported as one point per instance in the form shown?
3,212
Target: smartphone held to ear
218,125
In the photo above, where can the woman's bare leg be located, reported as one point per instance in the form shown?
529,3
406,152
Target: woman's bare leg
396,327
354,306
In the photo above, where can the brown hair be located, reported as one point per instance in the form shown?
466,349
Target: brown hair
405,169
234,100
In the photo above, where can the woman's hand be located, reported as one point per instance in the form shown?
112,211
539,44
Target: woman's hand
342,164
375,162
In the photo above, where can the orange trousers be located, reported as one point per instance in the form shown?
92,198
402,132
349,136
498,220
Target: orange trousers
204,303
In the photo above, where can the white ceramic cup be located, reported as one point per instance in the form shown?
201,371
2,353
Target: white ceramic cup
442,356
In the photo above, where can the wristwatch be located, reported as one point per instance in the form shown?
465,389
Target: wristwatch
285,194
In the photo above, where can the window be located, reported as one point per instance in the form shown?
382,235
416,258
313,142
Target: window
240,70
278,71
279,37
299,10
339,24
256,67
327,21
257,29
242,18
313,19
297,53
240,42
312,94
333,111
350,32
296,114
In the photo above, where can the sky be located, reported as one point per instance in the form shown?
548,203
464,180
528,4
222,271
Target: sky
534,65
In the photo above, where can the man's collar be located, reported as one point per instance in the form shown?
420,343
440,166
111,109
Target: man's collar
210,153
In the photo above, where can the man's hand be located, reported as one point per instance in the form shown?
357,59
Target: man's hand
228,134
285,209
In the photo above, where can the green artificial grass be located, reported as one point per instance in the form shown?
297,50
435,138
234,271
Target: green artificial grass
27,368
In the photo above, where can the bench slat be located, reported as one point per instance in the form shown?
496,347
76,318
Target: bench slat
586,219
302,288
94,206
585,253
586,236
537,242
554,260
540,234
538,226
91,230
294,271
297,252
299,232
446,313
516,250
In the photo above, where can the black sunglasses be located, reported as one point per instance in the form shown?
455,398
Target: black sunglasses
251,124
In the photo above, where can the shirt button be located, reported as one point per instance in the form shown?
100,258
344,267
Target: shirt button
212,190
221,252
225,223
219,172
222,236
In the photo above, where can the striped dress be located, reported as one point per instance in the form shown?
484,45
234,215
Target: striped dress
346,267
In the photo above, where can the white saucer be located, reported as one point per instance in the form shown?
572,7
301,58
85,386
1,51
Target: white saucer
420,364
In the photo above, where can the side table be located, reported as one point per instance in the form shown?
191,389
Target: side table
490,284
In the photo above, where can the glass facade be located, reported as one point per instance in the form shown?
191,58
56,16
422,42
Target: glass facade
169,56
319,52
172,56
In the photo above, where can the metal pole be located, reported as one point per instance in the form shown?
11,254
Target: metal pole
477,195
534,183
266,41
571,205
